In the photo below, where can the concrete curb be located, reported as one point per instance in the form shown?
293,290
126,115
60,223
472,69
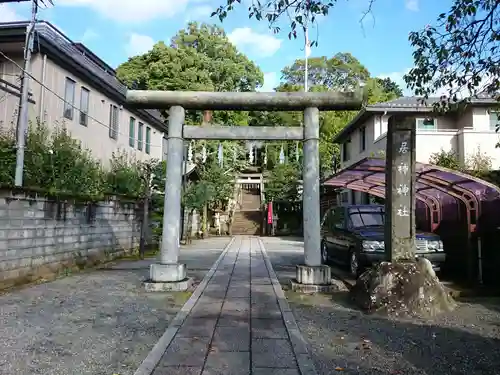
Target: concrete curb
299,345
151,361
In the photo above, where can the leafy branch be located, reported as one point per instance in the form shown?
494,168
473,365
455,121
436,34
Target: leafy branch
460,53
301,13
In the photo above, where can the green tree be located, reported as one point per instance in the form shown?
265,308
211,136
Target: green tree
198,58
389,86
124,176
282,182
459,53
340,72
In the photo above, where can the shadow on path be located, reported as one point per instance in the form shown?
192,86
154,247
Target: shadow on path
466,341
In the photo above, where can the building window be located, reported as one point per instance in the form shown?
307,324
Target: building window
148,140
140,130
345,150
131,132
494,120
113,121
69,98
362,139
426,124
84,106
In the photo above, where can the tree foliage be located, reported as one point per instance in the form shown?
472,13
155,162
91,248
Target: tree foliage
341,72
477,163
282,182
389,86
460,53
215,186
446,159
198,58
300,12
57,163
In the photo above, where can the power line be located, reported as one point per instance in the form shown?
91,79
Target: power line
62,99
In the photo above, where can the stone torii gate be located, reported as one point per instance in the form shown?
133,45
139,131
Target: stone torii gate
168,274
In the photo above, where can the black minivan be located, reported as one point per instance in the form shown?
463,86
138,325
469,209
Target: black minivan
353,235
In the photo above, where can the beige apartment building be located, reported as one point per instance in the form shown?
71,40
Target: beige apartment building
464,132
74,88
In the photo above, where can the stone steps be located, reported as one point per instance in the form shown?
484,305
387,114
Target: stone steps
246,222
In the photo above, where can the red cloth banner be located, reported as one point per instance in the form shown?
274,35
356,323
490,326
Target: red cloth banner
270,213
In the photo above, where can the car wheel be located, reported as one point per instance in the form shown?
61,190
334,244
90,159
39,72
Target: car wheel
354,264
324,252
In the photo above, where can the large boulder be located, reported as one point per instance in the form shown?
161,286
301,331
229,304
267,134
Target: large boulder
402,288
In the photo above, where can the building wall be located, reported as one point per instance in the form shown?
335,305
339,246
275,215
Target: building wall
355,152
95,135
40,238
463,135
9,103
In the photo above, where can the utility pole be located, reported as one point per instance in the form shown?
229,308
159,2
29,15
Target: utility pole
22,119
307,49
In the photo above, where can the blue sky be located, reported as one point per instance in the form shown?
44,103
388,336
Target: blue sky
117,29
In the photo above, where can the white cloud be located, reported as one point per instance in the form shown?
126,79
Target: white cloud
412,5
397,77
199,13
139,44
462,92
260,44
130,10
88,35
8,14
270,82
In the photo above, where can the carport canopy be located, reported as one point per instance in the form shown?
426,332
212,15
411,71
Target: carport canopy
434,185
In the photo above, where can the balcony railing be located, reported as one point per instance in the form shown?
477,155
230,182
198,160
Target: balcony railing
437,130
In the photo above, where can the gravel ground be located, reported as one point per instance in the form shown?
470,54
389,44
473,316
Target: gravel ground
95,323
344,340
464,342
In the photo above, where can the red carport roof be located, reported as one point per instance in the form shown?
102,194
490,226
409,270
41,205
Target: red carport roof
433,182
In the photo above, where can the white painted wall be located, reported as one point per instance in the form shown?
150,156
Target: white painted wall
463,136
94,136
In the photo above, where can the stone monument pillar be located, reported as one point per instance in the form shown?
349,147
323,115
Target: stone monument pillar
402,285
400,189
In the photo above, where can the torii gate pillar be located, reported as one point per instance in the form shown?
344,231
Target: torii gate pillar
168,274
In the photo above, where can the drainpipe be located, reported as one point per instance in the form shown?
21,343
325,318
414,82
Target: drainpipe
42,90
382,121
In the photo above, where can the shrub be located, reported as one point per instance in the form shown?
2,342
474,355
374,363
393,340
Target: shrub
56,163
446,159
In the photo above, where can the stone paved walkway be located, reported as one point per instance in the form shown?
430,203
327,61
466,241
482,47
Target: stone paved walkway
239,323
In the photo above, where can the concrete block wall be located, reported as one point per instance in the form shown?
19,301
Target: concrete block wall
41,237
